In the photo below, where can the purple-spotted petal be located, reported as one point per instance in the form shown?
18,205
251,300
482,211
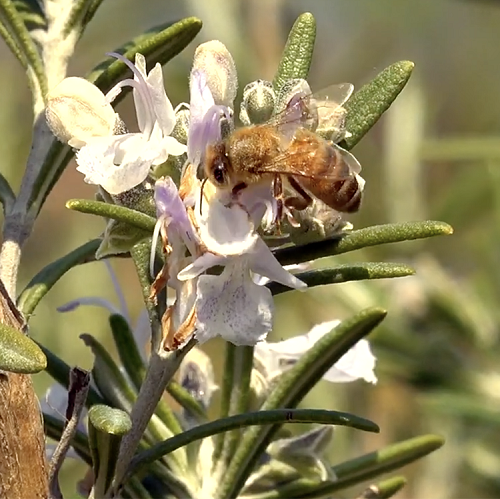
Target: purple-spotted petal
233,306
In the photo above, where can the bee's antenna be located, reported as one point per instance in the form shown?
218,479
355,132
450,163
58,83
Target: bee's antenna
203,182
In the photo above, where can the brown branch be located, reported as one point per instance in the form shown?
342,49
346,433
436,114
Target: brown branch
23,467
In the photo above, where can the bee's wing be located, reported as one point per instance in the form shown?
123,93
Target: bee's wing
337,94
300,162
349,159
310,110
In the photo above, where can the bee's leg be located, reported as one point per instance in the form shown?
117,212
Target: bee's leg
278,196
302,200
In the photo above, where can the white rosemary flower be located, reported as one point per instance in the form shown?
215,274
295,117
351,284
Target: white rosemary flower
357,363
117,162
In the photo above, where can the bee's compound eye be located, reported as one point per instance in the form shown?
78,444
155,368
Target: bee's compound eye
219,173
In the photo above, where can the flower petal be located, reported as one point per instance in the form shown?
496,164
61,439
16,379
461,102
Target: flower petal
261,280
202,263
293,348
233,306
173,147
116,164
204,117
170,205
201,99
224,229
162,107
357,363
264,263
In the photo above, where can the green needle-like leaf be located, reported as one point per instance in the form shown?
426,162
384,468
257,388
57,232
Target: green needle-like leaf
160,44
106,429
297,55
368,104
385,489
186,401
376,463
248,419
59,370
306,488
119,238
81,13
119,393
20,37
54,427
11,43
470,407
116,212
91,10
127,349
347,272
18,353
107,376
55,162
235,395
109,420
31,12
363,238
40,285
291,389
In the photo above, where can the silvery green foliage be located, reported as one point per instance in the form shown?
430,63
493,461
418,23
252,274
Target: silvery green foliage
214,272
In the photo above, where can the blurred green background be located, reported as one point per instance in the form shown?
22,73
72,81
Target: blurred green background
434,155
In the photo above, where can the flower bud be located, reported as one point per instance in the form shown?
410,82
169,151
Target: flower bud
258,102
77,110
216,62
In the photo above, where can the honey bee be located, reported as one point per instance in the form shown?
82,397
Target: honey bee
286,152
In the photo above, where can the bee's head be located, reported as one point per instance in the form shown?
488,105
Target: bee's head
218,166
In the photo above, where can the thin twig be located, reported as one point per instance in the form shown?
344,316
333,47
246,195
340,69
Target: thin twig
77,394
